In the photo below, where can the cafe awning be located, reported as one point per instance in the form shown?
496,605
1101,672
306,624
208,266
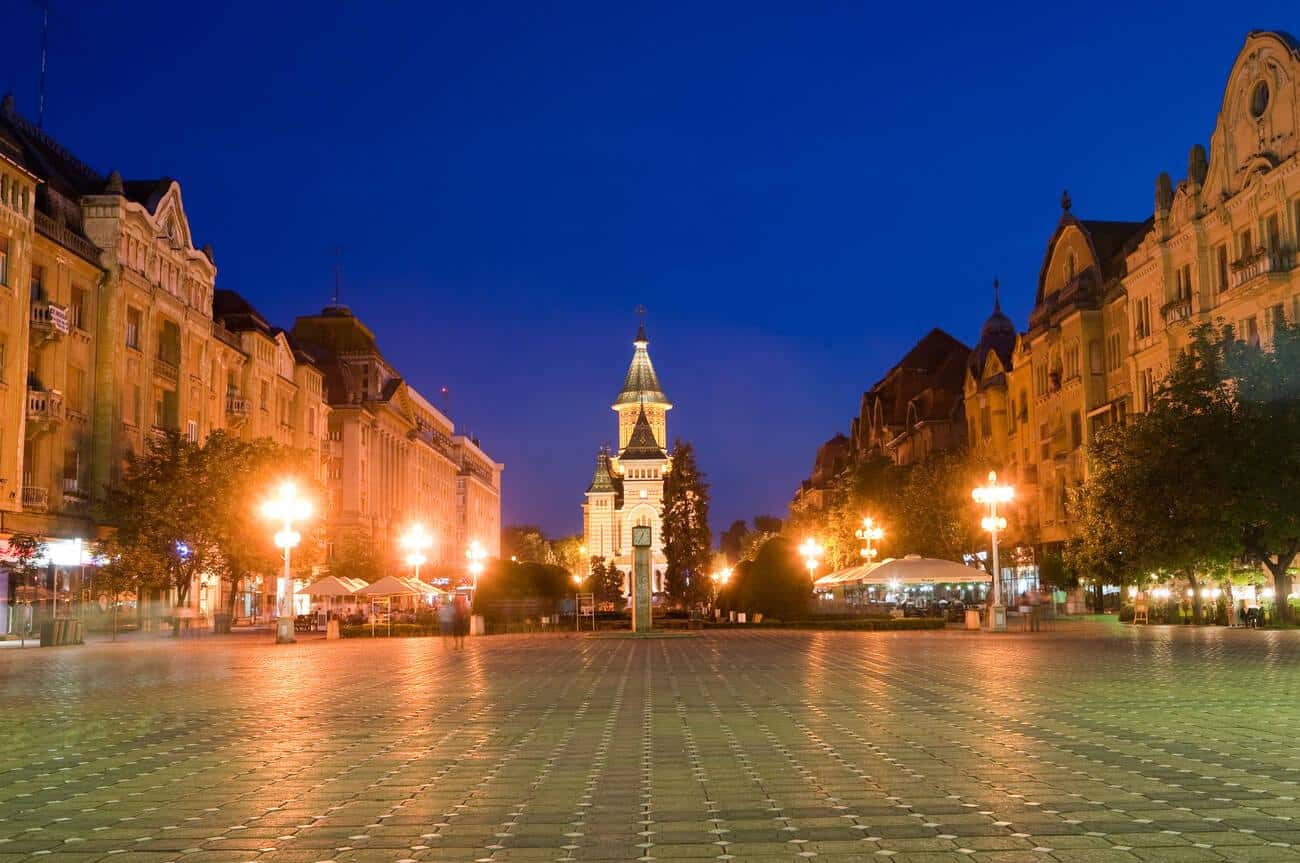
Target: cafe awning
332,585
903,571
391,585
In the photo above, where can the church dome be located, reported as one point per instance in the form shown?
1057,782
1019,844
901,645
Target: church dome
998,335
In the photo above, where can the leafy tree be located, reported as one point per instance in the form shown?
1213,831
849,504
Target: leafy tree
933,512
614,580
1266,386
1207,474
606,582
774,583
508,588
687,542
733,540
183,509
354,556
767,524
162,530
26,550
568,553
525,543
240,474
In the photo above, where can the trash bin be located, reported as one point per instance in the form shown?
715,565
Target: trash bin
476,625
972,618
221,623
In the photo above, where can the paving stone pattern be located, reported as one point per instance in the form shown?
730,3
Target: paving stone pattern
1099,743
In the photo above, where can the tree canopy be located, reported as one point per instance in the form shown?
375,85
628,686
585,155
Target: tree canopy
1207,474
687,542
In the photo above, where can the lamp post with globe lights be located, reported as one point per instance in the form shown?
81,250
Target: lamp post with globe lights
992,495
870,533
286,508
811,551
416,541
475,554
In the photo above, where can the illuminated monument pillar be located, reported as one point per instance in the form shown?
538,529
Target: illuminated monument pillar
641,579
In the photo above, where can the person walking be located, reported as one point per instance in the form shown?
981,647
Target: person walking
461,621
446,621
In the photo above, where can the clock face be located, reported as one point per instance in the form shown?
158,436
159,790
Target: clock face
641,536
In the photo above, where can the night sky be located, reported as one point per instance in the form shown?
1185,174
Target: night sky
796,193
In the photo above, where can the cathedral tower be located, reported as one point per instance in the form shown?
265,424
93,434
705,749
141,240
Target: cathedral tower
641,391
627,488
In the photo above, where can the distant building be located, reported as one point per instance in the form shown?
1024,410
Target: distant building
627,487
915,410
393,459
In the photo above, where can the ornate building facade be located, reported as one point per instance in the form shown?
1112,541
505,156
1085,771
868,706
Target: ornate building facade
1116,301
108,338
112,332
627,488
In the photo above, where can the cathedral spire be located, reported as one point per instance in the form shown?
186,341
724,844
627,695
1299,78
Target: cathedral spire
641,384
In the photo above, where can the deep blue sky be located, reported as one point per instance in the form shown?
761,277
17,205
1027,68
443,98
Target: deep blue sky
797,193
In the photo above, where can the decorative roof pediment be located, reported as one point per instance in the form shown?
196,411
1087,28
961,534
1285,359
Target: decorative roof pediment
1258,126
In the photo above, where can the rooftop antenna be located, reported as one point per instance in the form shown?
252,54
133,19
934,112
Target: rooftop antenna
45,50
997,305
338,272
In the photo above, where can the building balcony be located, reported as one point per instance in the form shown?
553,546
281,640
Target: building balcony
1261,264
44,408
36,498
238,408
225,336
167,369
1176,311
49,320
72,490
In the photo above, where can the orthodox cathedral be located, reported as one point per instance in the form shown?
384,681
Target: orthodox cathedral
628,486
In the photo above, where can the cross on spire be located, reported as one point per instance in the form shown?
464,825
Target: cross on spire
640,325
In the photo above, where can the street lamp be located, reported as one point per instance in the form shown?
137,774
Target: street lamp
869,533
992,495
812,553
475,555
416,541
286,508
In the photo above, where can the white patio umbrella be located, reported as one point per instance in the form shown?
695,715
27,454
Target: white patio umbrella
390,586
898,572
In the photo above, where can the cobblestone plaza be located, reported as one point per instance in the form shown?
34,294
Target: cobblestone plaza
1096,743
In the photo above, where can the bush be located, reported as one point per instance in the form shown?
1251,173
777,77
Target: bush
400,630
859,624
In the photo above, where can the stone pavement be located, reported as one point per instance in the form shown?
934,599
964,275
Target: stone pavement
1099,743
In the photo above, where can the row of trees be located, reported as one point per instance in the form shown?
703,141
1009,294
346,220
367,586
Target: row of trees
183,509
1203,484
926,509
